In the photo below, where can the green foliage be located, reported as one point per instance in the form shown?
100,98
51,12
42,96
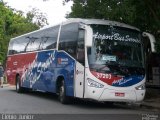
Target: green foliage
144,14
13,23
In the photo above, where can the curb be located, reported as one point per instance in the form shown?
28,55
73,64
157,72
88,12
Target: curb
8,85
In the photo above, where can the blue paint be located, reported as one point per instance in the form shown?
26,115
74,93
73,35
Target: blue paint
128,81
43,72
66,68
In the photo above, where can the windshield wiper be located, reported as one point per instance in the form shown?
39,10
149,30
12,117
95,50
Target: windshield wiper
113,63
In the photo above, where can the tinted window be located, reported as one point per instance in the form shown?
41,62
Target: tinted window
46,39
80,47
11,51
49,38
68,38
41,40
32,43
17,45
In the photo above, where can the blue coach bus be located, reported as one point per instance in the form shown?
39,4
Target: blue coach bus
85,58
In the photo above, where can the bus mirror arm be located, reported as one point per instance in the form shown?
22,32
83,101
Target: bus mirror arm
151,39
88,36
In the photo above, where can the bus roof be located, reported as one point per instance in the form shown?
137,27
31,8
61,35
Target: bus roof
84,21
101,22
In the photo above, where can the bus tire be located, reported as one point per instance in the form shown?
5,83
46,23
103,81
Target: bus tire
62,94
19,88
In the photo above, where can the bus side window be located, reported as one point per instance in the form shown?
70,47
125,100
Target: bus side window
68,39
49,38
46,39
32,42
11,50
18,45
80,47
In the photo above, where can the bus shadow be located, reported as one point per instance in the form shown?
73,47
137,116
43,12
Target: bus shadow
41,95
89,104
96,104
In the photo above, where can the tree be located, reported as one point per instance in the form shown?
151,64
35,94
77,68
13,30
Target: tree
13,23
144,14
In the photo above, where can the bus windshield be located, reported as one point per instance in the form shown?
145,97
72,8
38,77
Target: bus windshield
115,48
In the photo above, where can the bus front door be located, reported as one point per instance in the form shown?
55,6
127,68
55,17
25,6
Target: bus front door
79,81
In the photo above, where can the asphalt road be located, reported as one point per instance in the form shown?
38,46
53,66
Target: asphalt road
44,105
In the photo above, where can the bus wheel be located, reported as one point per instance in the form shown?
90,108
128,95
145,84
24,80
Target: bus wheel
19,89
62,94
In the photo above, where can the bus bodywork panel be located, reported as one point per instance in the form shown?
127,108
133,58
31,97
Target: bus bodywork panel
40,70
124,92
18,64
118,81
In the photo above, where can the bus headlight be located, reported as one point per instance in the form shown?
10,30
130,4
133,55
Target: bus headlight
141,87
93,83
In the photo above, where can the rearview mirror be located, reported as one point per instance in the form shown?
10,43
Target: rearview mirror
152,40
88,36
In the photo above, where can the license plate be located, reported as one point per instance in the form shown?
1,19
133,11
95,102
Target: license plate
119,94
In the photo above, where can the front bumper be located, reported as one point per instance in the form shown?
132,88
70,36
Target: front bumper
122,95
